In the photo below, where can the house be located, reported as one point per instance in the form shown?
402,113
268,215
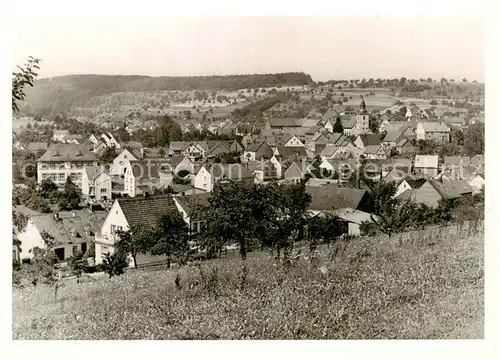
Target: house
178,146
218,148
477,160
330,152
121,162
263,171
76,139
408,184
66,232
110,140
208,176
37,146
477,183
142,176
375,152
247,140
294,142
433,131
455,167
362,119
310,122
61,161
96,183
426,165
127,213
332,197
286,152
93,139
280,123
297,171
340,169
391,140
364,140
58,135
195,150
432,191
349,125
188,206
181,163
405,146
349,220
397,173
236,147
257,151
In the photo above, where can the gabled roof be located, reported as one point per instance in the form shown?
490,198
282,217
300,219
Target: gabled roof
422,161
286,152
477,160
445,189
68,229
329,151
132,144
145,169
255,146
284,122
435,127
329,197
178,145
461,186
60,152
234,172
372,149
146,211
61,132
310,122
93,172
392,136
369,139
69,137
348,122
415,183
190,203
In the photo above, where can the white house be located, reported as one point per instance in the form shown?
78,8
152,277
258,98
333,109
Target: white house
121,162
203,180
66,233
110,140
96,183
187,206
426,165
294,142
127,213
208,176
58,135
435,131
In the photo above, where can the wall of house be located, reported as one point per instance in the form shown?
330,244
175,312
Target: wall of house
106,239
430,172
249,156
102,187
30,238
353,229
69,249
59,171
279,168
362,122
294,142
121,162
477,183
203,180
403,186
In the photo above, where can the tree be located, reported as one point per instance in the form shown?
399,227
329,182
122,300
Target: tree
170,237
134,241
25,77
474,139
78,263
108,155
71,196
374,124
114,264
47,188
464,80
338,127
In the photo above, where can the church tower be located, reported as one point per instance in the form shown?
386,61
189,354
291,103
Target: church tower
362,118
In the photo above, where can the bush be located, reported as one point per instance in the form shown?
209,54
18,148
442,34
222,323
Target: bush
114,264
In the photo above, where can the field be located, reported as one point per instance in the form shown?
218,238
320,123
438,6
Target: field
428,284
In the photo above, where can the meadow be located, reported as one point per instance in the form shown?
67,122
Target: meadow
427,284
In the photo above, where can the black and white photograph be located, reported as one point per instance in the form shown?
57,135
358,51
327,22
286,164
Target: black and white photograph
248,178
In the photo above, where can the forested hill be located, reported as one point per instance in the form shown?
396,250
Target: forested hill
62,91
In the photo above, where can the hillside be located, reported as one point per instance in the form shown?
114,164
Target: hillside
429,285
62,92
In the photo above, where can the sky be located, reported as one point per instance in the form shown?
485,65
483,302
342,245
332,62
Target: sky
326,48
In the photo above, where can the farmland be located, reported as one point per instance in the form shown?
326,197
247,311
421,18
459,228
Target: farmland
427,284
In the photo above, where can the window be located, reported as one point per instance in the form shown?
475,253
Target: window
121,163
44,176
61,177
113,229
104,249
125,156
103,190
75,249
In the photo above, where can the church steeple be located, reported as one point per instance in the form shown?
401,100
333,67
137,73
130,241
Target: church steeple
362,106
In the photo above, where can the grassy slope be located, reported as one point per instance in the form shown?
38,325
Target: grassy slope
430,286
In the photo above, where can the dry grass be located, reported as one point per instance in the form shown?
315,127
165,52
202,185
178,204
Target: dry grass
427,285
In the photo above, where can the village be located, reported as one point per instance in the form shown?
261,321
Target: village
332,156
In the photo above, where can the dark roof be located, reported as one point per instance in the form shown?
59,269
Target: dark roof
145,211
286,152
255,147
461,186
445,189
456,160
284,122
370,139
415,183
191,202
332,197
61,152
477,159
133,144
235,171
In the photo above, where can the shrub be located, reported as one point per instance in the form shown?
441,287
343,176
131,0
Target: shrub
114,264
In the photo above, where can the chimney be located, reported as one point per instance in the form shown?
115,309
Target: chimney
56,216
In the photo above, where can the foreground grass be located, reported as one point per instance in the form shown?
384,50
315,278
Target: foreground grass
430,285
